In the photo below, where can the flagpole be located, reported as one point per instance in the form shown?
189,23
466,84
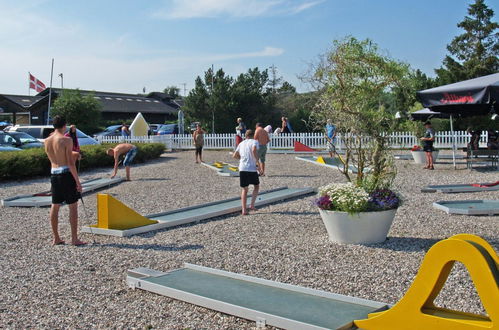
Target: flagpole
50,91
29,83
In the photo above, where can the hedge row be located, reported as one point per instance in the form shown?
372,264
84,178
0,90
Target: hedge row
34,162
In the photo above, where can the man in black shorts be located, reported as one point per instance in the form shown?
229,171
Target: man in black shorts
66,187
247,153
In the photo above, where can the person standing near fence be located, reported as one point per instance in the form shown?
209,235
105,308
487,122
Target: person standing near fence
428,139
284,125
247,153
198,137
240,131
263,139
331,138
125,132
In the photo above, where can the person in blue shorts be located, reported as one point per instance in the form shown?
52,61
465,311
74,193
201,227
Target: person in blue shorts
331,138
127,149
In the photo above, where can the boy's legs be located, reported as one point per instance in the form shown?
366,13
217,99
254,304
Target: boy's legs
244,198
256,188
127,170
73,221
54,222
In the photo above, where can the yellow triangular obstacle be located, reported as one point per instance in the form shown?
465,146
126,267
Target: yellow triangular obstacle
416,309
113,214
321,160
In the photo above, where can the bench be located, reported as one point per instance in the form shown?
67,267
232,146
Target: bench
481,155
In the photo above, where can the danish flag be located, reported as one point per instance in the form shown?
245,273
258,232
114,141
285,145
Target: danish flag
36,84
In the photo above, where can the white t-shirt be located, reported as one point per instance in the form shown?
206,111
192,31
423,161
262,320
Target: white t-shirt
247,163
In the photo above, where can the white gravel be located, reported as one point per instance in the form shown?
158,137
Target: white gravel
67,287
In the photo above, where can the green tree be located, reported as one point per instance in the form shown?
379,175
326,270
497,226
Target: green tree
172,91
352,79
84,111
475,52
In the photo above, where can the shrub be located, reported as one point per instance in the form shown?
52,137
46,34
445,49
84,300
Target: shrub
33,162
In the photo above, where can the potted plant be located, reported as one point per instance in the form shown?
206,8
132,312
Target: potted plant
351,215
353,79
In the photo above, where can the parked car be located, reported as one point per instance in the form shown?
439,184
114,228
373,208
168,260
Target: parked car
41,132
154,128
114,130
168,129
20,140
4,147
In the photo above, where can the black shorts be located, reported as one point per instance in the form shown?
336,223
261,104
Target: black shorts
247,178
428,147
64,188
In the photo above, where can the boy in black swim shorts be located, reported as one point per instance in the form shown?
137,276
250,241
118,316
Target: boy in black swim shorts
247,153
66,187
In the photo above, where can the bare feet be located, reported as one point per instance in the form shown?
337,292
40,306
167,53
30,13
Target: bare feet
78,243
252,208
58,242
245,213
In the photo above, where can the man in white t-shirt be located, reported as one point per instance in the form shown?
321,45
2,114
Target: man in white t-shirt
247,153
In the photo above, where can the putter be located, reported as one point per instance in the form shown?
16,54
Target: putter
86,216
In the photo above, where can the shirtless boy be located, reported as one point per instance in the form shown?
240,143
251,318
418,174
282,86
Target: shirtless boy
64,179
127,149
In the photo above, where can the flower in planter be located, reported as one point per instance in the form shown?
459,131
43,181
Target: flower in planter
383,199
343,197
416,148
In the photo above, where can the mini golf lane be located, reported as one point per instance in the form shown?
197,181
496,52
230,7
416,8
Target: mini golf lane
329,162
461,188
223,169
469,207
263,301
45,198
202,212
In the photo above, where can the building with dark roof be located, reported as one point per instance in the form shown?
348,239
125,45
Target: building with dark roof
16,108
156,107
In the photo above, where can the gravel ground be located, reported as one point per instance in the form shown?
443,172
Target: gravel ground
67,287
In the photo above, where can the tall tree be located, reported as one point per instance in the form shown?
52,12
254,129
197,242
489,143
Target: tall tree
475,52
80,110
173,91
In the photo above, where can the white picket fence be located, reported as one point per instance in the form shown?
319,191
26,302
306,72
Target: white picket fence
397,140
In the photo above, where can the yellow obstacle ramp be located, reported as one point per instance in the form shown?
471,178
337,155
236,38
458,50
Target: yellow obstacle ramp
113,214
321,160
416,309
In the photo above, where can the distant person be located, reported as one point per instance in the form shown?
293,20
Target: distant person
277,131
247,153
475,138
288,123
125,132
263,139
65,184
76,146
198,137
284,125
268,129
428,140
331,138
493,140
241,128
127,149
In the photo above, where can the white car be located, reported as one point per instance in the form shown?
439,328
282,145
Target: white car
41,132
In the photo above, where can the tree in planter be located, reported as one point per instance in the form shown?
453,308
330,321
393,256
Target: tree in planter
80,110
352,79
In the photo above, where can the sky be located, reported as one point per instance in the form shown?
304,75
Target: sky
124,46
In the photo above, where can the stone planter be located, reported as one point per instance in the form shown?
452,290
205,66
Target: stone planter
360,228
420,156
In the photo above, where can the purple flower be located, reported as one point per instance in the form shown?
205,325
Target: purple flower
383,199
324,203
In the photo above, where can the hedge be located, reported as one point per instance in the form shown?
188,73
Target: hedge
34,162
